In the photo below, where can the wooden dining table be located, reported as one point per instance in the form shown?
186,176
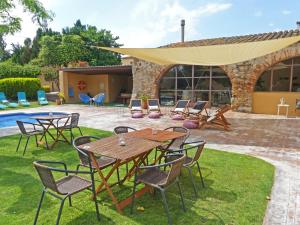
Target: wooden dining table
138,145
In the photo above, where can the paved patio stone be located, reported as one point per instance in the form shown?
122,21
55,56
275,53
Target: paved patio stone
272,138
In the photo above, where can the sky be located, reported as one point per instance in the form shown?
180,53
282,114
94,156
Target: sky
152,23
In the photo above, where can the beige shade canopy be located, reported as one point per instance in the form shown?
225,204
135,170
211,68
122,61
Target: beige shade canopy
212,55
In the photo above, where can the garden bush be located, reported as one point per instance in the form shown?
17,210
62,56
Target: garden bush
46,88
10,86
10,70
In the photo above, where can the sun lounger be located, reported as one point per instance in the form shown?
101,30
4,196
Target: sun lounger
22,99
153,106
99,99
135,105
181,107
3,99
42,100
217,119
12,105
198,108
2,106
85,98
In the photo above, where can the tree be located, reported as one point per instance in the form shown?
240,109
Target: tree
10,24
4,55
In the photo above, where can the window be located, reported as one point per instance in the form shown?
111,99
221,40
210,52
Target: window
284,76
195,83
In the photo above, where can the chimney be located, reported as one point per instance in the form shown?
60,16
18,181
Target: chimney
298,25
182,30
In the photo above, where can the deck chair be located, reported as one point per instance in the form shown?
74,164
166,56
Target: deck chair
217,119
42,100
181,107
135,105
99,99
84,98
153,106
22,99
4,102
198,108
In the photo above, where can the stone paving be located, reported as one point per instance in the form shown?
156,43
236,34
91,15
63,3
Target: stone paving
272,138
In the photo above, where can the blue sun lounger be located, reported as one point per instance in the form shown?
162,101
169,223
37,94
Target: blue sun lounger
5,102
42,97
22,99
2,106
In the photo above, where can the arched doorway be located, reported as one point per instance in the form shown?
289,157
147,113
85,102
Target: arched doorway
207,83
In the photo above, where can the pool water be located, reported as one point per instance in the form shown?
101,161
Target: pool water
9,120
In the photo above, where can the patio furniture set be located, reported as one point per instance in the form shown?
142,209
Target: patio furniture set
22,100
194,117
128,147
96,100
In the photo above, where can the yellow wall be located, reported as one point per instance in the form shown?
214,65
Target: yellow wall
95,84
266,102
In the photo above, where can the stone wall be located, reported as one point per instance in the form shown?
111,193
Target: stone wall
243,76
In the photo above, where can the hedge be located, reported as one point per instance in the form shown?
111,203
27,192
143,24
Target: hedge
10,70
10,86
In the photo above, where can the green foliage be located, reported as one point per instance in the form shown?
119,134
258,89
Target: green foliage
8,70
11,24
46,88
50,73
10,86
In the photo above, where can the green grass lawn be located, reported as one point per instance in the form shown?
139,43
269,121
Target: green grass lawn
235,192
32,105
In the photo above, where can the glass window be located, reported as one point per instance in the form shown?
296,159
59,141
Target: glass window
296,61
201,71
167,97
184,71
296,79
264,82
167,83
184,83
281,79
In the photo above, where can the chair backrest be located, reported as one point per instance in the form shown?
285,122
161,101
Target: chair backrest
2,96
181,104
178,142
84,97
99,98
200,105
41,94
136,103
21,127
123,129
74,119
175,169
46,176
198,147
83,155
153,102
21,96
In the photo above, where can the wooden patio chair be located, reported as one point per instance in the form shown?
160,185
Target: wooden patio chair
135,106
181,107
197,109
191,159
64,187
28,133
153,106
154,176
217,119
84,158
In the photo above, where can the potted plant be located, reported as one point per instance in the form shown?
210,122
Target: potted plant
144,99
61,98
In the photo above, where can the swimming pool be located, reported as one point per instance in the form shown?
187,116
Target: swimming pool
9,120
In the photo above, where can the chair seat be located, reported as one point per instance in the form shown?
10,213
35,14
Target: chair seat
35,132
187,161
72,184
153,177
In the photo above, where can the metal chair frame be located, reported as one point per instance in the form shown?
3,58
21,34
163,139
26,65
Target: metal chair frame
74,120
62,196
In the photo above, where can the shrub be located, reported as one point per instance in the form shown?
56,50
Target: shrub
10,86
9,70
46,88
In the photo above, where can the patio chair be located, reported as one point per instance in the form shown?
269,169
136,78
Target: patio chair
181,107
3,106
3,99
190,161
5,102
64,187
154,176
28,133
42,100
297,104
84,98
85,160
72,124
99,99
217,119
153,106
124,130
22,99
198,108
177,144
135,105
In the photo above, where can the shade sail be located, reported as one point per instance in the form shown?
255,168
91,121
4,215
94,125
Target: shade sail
208,55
